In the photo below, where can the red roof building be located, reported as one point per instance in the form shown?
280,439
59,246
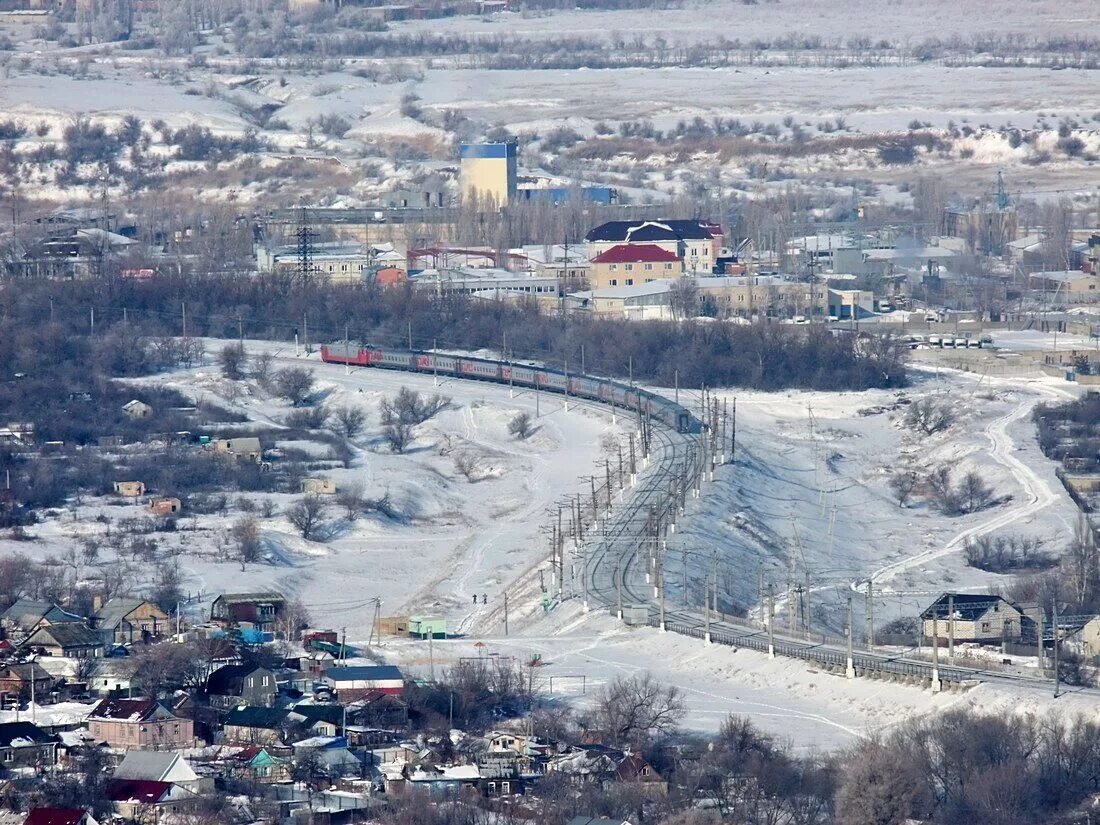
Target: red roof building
635,253
58,816
143,791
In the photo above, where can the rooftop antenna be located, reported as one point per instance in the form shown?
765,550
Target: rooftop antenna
1002,195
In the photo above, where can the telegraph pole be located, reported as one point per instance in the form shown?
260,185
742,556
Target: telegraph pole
870,616
771,621
950,626
851,669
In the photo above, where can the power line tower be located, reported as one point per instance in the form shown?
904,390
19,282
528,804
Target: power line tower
304,236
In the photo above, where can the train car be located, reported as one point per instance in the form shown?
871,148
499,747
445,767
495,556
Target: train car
605,391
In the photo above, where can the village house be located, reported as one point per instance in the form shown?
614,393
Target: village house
970,617
139,723
161,766
128,619
232,685
146,800
255,726
1086,641
74,640
27,615
255,763
165,506
1067,286
259,610
25,745
129,489
59,816
378,710
137,410
25,680
636,771
244,448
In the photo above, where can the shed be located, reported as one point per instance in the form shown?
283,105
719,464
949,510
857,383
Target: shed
130,489
245,448
137,409
424,626
319,486
165,506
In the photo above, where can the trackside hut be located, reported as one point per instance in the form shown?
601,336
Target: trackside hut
971,617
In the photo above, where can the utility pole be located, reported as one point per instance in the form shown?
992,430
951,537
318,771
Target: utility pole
936,684
92,329
706,613
1054,632
343,643
870,616
676,379
851,669
1039,640
950,626
771,621
183,314
505,612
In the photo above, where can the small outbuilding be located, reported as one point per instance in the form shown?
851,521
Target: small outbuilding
130,489
137,409
319,486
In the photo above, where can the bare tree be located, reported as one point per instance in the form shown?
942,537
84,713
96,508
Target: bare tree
397,435
349,421
409,407
632,709
308,515
294,384
232,358
903,483
246,540
520,425
974,493
468,464
929,416
261,368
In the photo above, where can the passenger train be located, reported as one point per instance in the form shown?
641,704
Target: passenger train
521,375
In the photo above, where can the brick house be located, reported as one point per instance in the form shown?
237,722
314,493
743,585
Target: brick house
25,745
139,723
972,617
630,264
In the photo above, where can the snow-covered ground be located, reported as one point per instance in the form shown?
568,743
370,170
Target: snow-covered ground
457,538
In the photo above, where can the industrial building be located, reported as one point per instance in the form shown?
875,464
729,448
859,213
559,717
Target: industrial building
488,170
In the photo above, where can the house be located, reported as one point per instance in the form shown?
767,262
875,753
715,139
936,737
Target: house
165,506
356,682
257,764
27,615
261,610
585,764
74,640
498,774
255,726
139,723
128,619
596,820
975,618
233,685
331,755
129,489
1067,286
319,486
319,720
378,710
245,448
25,745
630,264
160,766
17,434
635,770
1086,641
59,816
25,680
136,409
142,800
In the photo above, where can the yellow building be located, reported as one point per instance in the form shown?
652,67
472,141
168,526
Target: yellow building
488,170
630,264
